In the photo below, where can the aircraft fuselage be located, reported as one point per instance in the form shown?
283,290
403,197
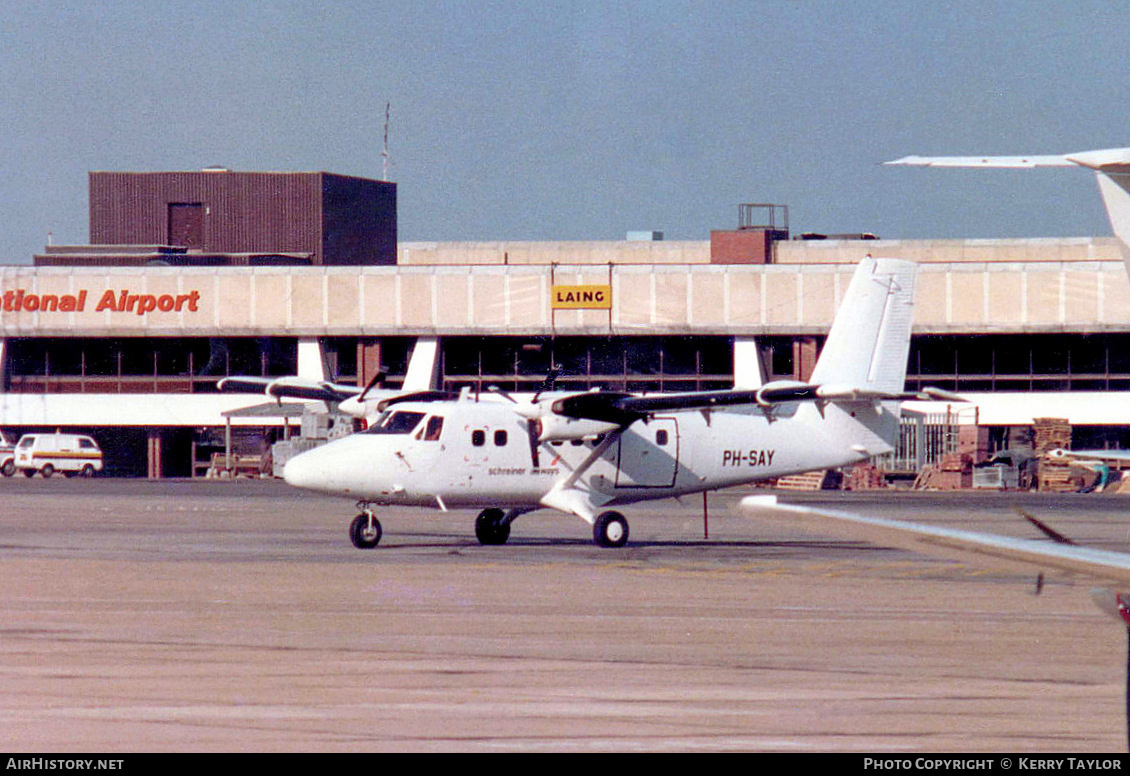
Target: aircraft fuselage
471,454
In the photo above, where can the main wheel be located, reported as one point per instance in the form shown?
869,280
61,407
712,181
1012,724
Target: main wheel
364,534
610,530
491,527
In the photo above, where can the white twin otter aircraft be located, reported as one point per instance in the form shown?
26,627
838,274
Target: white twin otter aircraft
584,452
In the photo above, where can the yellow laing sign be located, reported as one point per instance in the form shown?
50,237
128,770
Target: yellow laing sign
581,297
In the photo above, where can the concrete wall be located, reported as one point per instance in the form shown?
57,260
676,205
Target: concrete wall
438,300
786,251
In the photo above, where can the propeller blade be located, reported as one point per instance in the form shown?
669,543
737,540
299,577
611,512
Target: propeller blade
379,376
550,381
533,432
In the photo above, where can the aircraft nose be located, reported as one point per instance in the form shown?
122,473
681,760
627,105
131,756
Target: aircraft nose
305,470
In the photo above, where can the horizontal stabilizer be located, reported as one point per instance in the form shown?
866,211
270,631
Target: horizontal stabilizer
1104,160
1007,162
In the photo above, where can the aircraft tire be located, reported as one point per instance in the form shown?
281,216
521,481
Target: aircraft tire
361,536
610,530
491,528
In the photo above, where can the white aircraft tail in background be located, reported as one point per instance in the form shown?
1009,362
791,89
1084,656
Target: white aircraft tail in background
1111,166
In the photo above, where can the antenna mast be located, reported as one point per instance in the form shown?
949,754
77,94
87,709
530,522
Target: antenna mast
384,151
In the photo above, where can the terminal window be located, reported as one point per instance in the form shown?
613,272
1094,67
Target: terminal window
142,364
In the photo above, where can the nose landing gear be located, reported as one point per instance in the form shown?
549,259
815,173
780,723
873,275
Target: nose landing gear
365,530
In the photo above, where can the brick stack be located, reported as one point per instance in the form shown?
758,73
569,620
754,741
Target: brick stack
865,476
953,472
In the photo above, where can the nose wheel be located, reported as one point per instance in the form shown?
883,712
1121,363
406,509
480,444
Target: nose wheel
365,531
610,530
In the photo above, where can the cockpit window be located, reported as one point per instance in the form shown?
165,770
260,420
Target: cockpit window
402,422
434,428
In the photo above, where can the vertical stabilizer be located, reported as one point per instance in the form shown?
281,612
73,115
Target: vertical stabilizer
423,366
748,370
867,347
311,360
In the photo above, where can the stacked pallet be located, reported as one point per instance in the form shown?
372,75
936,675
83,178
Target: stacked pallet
1054,474
806,481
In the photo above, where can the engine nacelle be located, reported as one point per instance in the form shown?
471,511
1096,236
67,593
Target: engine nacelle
358,409
562,428
779,391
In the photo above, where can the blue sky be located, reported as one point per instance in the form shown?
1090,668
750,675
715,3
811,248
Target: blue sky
575,120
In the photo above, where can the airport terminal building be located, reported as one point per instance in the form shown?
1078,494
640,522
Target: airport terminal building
193,276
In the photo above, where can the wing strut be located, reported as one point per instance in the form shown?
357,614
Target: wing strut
563,496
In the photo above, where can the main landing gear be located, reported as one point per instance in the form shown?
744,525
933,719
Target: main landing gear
610,529
365,530
492,527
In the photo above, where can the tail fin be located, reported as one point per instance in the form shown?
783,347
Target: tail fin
867,347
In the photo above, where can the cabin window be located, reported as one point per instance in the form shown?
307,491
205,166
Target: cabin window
500,438
478,437
661,437
434,428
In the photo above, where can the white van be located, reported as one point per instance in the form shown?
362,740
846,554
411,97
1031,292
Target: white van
7,456
70,454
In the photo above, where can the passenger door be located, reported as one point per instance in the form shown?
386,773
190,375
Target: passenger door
648,455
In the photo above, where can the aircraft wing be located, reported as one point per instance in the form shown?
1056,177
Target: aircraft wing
986,550
1113,456
625,408
289,387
